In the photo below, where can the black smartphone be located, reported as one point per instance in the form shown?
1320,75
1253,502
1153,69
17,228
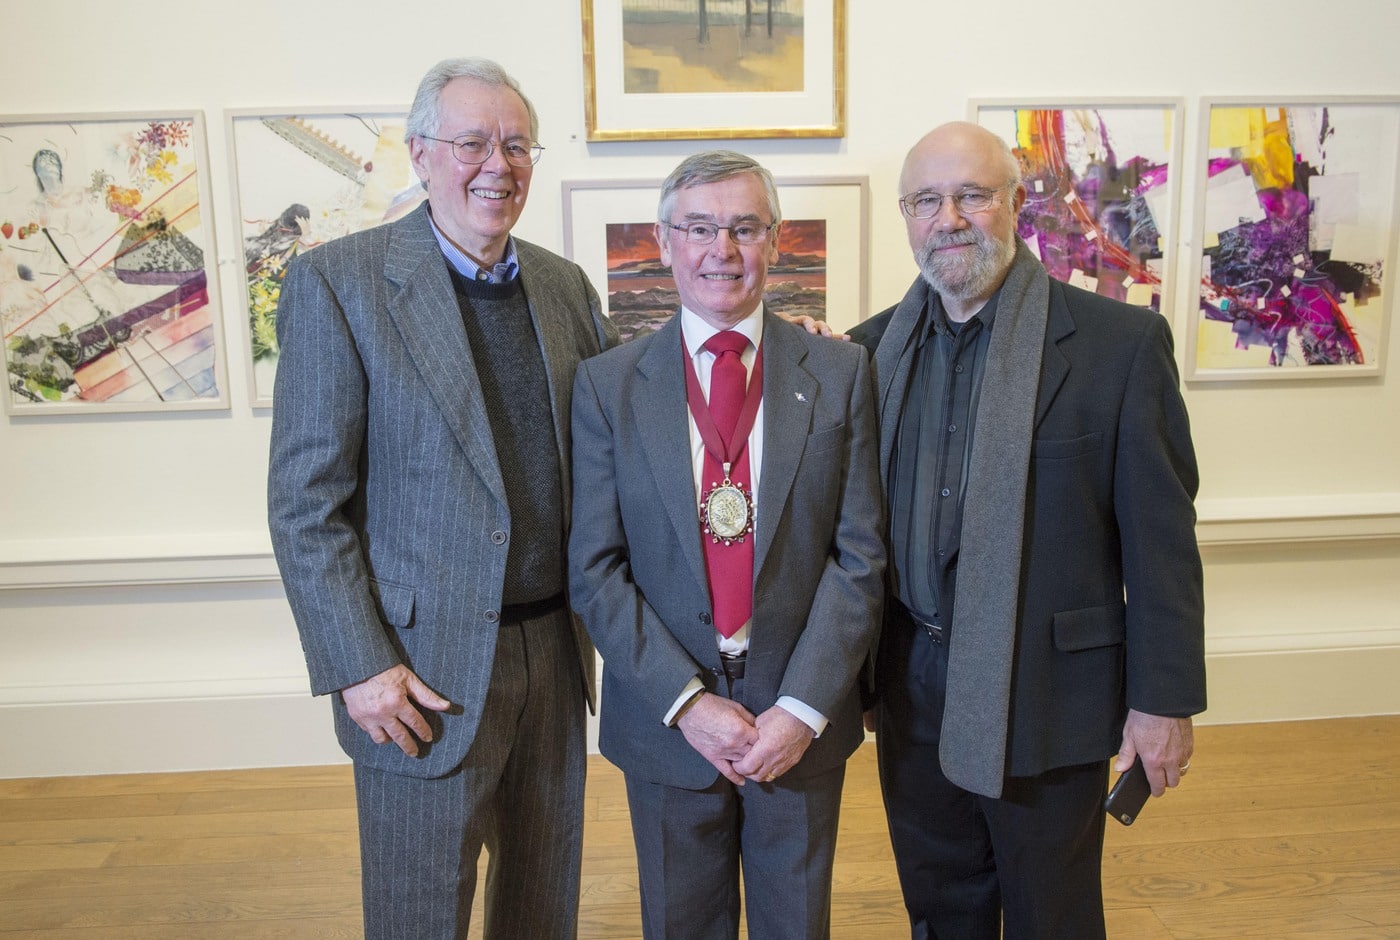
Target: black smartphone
1126,799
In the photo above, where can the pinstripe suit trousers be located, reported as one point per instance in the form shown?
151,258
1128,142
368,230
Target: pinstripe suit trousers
519,793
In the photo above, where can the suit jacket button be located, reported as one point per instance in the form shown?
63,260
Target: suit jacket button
492,616
498,537
704,618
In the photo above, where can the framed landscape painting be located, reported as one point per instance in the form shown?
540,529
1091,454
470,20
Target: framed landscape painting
1295,236
608,231
697,69
108,288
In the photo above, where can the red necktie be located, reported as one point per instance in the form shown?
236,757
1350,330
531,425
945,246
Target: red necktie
730,566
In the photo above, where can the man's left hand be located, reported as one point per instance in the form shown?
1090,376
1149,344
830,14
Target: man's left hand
782,740
1164,744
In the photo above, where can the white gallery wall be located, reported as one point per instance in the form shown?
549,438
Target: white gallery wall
141,623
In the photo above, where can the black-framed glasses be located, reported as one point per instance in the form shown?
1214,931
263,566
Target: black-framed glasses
704,233
925,204
474,151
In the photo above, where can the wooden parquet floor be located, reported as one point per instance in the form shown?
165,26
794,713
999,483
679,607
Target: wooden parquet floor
1282,831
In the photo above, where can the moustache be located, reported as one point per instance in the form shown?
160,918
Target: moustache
965,237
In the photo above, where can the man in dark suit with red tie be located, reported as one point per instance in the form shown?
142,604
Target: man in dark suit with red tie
727,555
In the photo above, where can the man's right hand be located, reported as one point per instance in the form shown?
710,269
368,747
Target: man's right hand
721,730
383,706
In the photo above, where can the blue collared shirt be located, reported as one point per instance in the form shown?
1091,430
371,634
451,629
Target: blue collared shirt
507,270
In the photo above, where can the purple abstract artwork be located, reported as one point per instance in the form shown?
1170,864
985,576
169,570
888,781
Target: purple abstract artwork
1297,229
1098,204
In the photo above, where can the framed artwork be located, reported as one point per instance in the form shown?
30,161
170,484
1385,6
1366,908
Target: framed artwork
1295,210
108,274
703,69
608,231
1102,178
302,178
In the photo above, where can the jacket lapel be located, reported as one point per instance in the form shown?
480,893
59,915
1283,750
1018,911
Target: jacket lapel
1054,367
894,361
789,391
664,420
424,309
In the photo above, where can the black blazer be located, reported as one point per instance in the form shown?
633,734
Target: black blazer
1111,597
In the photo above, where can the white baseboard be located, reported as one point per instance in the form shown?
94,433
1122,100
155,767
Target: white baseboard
155,735
1293,685
273,730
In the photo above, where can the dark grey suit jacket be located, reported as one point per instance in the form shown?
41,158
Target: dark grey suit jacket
637,569
1110,593
388,514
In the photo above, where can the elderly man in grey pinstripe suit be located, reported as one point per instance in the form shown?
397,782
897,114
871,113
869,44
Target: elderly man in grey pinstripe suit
418,499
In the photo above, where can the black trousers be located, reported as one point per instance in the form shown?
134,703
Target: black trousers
970,866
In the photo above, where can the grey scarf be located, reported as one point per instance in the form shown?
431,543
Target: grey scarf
983,633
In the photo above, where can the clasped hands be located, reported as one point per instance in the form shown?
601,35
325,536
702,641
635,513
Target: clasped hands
741,746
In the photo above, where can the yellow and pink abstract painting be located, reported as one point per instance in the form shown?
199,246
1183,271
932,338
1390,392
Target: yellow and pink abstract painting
1297,228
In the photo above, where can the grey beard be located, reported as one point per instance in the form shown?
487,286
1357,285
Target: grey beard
978,279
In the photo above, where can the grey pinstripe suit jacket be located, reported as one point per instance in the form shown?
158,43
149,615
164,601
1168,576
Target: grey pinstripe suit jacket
388,514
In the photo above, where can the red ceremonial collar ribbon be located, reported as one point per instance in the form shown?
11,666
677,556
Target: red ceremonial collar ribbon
699,410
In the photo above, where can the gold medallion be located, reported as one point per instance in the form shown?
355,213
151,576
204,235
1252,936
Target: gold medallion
727,513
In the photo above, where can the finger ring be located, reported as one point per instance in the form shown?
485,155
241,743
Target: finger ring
1184,767
770,778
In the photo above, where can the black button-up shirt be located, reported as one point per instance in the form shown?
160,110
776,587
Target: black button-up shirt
933,449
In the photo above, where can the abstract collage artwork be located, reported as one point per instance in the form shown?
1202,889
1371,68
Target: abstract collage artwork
107,266
1296,223
1100,191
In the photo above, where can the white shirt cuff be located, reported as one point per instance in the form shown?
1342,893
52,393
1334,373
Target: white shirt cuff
808,716
681,699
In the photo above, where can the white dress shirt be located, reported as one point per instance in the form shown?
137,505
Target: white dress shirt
696,332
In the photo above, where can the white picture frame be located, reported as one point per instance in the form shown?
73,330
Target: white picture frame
1103,178
1295,238
347,167
109,291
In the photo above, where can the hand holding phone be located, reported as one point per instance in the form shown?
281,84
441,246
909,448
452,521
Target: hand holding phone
1129,794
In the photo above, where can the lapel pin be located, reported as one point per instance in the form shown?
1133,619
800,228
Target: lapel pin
800,396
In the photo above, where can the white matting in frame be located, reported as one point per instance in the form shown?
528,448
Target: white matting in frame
109,297
821,270
1295,237
303,177
1103,182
